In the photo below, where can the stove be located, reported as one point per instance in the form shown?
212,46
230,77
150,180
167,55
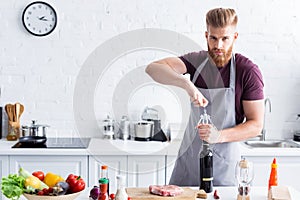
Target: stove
58,143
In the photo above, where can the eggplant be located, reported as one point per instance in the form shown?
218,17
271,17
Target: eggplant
60,188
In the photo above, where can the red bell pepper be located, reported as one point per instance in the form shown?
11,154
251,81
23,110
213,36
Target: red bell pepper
76,183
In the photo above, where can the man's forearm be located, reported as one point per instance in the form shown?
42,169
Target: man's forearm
241,132
166,75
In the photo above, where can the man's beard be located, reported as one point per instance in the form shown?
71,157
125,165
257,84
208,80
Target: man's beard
222,60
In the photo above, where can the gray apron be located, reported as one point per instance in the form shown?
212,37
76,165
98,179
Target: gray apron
221,108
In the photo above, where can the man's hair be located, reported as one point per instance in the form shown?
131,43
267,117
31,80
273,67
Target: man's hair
221,17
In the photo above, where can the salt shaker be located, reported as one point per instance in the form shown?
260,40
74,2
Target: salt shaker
121,192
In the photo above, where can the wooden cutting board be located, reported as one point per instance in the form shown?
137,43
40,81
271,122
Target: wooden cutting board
144,194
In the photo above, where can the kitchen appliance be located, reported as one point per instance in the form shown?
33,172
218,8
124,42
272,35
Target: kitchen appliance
108,128
124,128
32,140
297,137
55,143
143,130
297,134
35,129
151,114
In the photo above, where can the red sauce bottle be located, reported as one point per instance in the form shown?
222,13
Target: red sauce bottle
273,175
103,189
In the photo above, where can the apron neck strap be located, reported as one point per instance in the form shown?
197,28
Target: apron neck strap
232,70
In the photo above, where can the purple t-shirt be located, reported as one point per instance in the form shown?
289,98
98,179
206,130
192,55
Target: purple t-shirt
249,82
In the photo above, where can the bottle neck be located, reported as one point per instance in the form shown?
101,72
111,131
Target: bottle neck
104,173
205,145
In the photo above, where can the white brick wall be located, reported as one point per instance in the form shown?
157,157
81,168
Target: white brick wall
41,72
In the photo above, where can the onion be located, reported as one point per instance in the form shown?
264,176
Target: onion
94,193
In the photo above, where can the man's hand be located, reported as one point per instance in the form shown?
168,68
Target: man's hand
196,97
208,133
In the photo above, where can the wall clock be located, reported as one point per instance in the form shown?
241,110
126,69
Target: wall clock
39,18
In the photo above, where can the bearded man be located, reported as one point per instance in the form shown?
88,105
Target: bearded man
228,86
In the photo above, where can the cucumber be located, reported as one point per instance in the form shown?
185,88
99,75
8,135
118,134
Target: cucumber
24,173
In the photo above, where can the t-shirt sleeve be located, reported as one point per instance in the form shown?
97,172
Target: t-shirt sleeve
253,84
192,61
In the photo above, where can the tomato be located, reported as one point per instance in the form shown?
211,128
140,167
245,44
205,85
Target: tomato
46,191
39,174
129,198
112,196
41,192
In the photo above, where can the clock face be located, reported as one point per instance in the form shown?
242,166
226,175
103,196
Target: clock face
39,18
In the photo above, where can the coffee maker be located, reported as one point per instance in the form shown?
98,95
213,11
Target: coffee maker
151,114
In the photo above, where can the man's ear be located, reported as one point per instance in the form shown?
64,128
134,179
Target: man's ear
206,34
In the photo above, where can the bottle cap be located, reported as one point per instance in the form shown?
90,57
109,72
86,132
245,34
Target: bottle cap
120,177
104,167
103,181
243,163
274,165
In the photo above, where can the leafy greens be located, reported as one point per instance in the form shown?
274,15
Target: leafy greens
13,186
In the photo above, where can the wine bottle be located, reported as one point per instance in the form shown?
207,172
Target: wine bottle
206,168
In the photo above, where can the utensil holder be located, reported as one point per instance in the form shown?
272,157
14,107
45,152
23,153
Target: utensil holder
13,131
240,197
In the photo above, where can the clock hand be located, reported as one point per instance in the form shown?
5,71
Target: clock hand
42,18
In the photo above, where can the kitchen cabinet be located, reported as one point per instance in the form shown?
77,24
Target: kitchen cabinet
116,165
3,169
140,171
146,170
61,165
288,170
170,163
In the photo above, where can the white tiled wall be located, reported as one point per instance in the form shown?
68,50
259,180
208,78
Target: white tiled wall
41,73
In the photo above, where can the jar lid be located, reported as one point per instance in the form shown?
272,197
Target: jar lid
103,181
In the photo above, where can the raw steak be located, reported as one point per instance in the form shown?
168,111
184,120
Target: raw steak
165,190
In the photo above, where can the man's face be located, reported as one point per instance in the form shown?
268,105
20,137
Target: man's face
220,43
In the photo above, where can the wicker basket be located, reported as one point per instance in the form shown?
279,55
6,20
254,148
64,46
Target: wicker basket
61,197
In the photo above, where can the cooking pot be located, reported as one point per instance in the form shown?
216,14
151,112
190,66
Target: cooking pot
143,130
34,130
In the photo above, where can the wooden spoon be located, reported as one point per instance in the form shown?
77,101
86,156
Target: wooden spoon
21,110
9,108
17,111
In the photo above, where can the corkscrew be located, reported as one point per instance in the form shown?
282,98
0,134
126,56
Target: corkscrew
214,133
204,118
